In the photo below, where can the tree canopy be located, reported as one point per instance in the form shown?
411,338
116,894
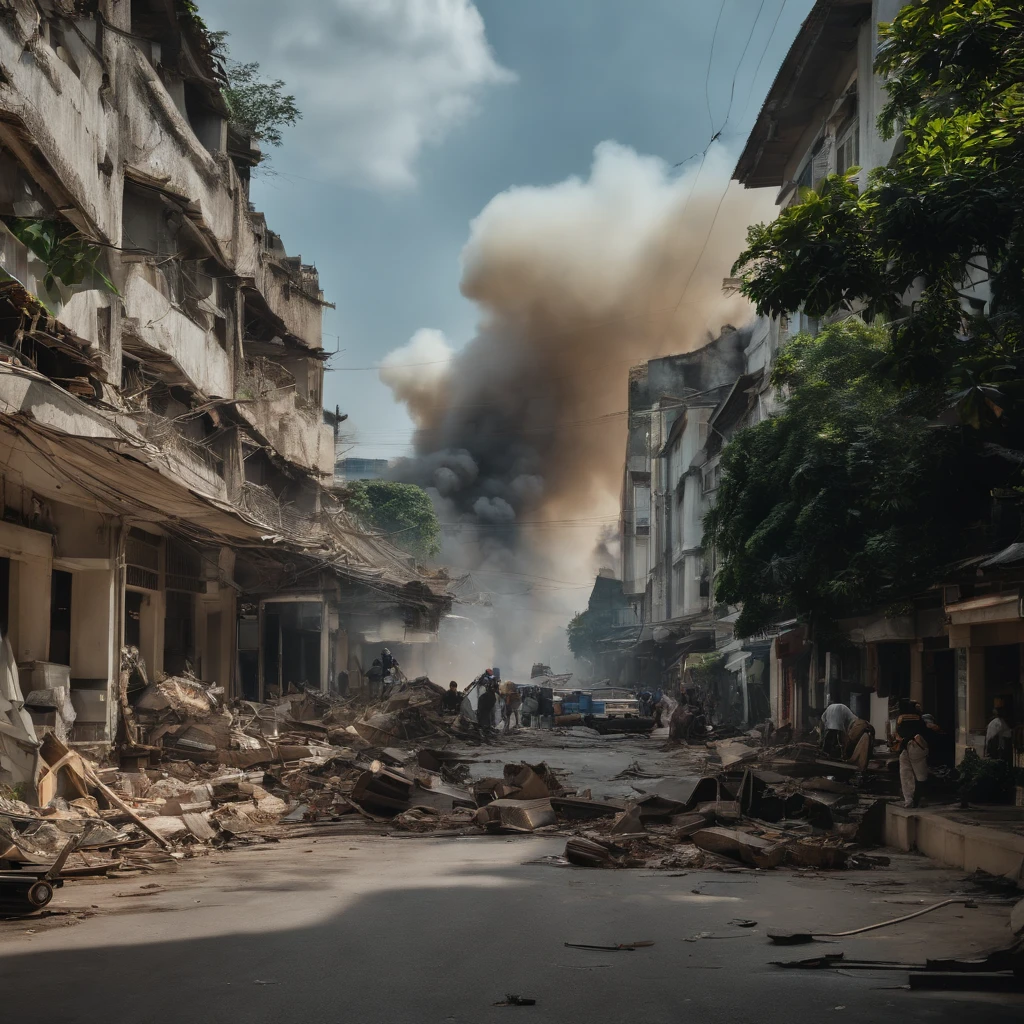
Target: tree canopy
259,106
402,511
584,630
844,501
893,438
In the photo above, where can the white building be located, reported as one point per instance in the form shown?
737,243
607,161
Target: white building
665,576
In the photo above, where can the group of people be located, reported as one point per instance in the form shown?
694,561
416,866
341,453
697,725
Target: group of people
689,718
383,672
493,692
847,737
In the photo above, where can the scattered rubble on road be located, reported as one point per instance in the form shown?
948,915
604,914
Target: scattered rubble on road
194,772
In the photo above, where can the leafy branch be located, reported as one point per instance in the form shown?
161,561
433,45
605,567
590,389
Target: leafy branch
69,256
258,106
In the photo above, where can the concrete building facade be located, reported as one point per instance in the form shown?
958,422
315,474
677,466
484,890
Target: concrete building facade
166,460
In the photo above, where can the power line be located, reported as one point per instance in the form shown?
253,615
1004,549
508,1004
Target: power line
739,64
711,57
771,36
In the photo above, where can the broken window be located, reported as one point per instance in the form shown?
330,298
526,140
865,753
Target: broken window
60,617
142,558
184,569
155,230
53,32
848,146
642,506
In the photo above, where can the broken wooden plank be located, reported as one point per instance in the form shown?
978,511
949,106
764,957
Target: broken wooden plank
115,801
730,842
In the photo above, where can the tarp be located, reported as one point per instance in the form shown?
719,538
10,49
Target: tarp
19,747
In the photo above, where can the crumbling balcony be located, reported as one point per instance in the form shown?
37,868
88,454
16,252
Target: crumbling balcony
277,405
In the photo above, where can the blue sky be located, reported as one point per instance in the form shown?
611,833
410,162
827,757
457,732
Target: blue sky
419,112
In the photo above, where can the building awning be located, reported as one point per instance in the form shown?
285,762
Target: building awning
1004,607
881,629
799,95
104,455
737,661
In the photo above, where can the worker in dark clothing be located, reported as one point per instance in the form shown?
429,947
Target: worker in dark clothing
485,708
375,677
388,662
342,684
451,702
912,731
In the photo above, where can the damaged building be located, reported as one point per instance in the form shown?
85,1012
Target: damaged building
166,456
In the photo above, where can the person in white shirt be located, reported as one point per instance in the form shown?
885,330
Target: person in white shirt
846,736
998,735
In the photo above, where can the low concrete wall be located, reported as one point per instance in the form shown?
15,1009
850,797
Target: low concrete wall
954,843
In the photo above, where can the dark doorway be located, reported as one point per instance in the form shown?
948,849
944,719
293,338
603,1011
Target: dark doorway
60,617
1002,676
132,618
292,636
893,670
179,632
939,700
249,657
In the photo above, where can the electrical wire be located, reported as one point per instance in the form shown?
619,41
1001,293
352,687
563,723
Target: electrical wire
771,36
711,57
739,64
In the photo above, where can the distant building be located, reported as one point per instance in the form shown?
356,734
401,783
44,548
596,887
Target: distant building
348,470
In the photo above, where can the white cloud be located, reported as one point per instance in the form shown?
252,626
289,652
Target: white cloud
376,80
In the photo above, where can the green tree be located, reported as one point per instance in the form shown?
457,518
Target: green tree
258,106
584,630
403,512
893,439
846,500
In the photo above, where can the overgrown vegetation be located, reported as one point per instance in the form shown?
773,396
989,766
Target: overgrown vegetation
844,501
69,256
403,512
987,780
584,630
258,106
893,438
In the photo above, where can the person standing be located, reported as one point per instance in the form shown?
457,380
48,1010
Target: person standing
451,702
342,684
999,735
375,678
485,709
912,733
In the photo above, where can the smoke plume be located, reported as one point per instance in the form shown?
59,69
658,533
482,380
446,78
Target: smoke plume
520,434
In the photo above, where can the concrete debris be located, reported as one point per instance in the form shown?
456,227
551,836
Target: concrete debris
516,815
194,772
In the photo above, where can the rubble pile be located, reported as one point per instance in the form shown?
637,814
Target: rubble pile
192,771
195,772
758,806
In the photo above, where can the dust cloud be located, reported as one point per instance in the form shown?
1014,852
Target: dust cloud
520,434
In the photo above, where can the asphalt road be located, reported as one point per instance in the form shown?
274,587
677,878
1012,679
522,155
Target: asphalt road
366,930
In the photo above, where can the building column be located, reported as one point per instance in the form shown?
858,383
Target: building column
970,697
917,671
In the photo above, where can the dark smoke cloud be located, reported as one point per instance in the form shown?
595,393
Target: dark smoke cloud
575,282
